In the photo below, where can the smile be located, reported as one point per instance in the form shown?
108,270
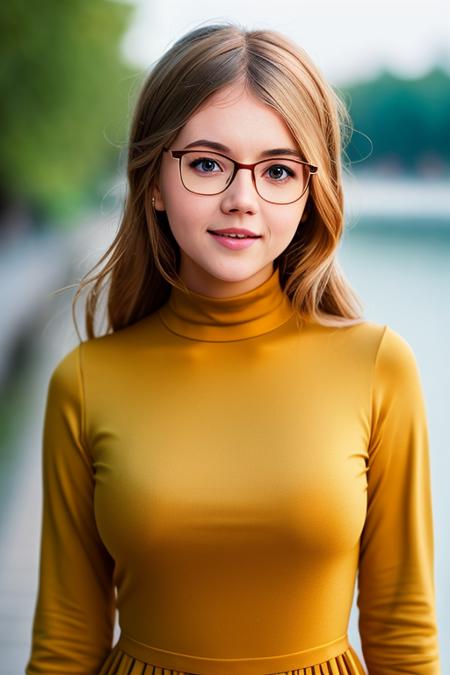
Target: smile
234,241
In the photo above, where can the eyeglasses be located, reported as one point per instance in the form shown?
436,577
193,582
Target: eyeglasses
277,180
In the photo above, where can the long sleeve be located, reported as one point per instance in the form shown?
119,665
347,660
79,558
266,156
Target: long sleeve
75,608
396,594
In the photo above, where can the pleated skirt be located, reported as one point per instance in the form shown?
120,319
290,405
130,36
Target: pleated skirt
120,663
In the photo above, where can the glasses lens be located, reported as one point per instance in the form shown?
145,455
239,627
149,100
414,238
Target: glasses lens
281,180
205,172
277,180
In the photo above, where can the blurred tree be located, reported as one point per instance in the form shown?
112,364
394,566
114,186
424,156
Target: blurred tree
408,122
65,101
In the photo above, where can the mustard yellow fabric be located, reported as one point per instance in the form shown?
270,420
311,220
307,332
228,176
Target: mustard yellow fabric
229,471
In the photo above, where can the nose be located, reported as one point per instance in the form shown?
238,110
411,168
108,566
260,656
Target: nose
241,194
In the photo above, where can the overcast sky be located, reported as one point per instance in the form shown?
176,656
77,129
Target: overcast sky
347,39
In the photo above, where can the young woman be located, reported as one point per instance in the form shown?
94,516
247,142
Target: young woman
241,443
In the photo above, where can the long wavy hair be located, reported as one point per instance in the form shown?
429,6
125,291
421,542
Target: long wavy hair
141,265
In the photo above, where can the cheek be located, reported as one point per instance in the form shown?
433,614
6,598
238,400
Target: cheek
179,207
187,221
188,214
283,225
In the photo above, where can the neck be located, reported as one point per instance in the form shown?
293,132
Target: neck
219,319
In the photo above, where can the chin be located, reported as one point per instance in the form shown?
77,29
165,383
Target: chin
236,275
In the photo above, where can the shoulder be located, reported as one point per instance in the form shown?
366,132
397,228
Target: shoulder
116,345
396,376
65,377
395,358
377,349
66,368
389,349
356,343
107,349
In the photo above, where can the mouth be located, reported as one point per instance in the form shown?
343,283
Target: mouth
235,241
234,235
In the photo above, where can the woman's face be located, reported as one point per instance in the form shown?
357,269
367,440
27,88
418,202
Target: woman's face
247,127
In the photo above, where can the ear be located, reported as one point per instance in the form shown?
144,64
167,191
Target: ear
159,202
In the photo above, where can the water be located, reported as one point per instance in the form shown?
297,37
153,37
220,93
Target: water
401,270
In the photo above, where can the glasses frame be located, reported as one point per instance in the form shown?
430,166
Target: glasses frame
178,154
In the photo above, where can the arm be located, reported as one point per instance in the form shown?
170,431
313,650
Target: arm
396,596
75,608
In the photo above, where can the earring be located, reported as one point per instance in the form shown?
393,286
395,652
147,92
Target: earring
153,202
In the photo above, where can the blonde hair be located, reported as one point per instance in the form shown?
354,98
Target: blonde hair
144,256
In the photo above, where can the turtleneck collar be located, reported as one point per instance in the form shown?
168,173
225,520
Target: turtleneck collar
203,317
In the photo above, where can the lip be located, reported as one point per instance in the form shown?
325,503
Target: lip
236,230
234,244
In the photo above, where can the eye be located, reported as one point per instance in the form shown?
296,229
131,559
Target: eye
206,162
276,171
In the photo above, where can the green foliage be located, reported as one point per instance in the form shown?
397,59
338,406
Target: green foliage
65,99
408,120
65,107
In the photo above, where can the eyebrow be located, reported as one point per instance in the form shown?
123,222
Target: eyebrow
265,153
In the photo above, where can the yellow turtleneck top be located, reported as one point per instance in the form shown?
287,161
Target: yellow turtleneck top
230,471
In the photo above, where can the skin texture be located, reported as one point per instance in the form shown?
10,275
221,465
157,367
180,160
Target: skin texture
235,117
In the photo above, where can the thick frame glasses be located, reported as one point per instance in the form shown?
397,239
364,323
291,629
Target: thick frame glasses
192,182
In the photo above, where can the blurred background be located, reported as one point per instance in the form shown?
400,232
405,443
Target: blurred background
70,73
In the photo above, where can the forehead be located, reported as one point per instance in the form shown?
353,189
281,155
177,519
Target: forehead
235,117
